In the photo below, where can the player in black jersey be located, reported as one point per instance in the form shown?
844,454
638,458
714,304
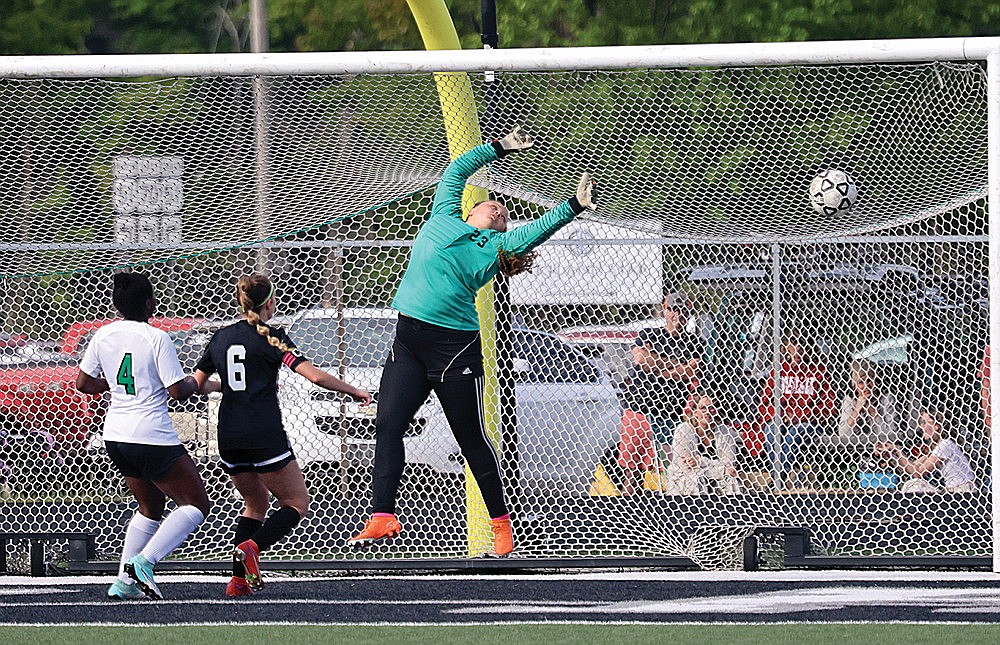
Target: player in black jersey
253,447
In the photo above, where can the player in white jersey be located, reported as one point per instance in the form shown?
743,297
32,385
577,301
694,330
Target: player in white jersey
138,364
938,453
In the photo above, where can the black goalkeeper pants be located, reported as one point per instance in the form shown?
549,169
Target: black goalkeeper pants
425,358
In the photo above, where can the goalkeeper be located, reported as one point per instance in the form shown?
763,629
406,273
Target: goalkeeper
437,343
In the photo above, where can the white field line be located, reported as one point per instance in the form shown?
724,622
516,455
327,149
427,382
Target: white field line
969,600
656,576
505,623
269,601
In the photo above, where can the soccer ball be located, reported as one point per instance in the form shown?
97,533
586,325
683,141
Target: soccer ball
833,192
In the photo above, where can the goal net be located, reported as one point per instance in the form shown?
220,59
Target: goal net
837,381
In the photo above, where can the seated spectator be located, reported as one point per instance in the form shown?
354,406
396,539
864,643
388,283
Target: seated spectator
938,453
704,453
807,403
866,410
665,363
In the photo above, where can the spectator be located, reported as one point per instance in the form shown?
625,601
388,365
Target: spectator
665,363
704,453
938,453
807,403
868,410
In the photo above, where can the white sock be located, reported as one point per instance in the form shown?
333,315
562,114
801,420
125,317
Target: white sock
137,535
172,532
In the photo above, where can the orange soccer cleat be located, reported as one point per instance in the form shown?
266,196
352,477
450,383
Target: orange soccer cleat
503,536
380,527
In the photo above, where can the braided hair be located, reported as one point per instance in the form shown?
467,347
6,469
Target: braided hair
252,293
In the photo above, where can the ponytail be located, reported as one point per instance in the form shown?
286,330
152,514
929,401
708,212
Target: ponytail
252,293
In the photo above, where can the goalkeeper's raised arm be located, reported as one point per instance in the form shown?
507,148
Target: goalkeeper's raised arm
452,259
448,197
523,239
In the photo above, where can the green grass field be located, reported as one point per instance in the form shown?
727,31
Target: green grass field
521,634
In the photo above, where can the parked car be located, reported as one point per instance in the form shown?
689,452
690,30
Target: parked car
610,346
38,386
38,398
566,407
79,333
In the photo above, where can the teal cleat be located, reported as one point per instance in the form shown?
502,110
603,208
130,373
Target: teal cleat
141,570
124,591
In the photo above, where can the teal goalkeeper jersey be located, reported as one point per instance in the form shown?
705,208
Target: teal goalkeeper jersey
451,260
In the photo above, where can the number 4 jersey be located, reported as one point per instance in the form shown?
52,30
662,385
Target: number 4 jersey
139,363
249,416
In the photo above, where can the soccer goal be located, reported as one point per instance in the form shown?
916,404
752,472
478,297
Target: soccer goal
840,380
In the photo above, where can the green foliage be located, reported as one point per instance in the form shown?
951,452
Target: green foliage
30,27
149,26
342,25
167,26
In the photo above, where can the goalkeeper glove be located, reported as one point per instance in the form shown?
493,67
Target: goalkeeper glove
586,195
518,139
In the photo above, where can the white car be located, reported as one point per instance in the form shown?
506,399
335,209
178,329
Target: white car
566,409
610,346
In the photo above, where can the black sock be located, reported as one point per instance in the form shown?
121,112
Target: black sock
245,528
280,524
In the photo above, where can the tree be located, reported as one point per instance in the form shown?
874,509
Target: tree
796,20
341,25
177,26
44,26
387,24
151,26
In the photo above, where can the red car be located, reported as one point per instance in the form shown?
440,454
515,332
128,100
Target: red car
39,398
38,392
78,334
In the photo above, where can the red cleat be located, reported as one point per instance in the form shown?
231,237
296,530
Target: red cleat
248,553
503,536
238,587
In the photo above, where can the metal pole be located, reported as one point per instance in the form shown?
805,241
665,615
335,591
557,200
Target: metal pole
259,45
491,39
258,27
777,475
522,60
993,156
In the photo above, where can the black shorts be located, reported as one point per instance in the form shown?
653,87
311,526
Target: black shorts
254,460
444,354
142,460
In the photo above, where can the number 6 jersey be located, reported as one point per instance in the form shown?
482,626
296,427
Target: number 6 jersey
139,363
249,416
